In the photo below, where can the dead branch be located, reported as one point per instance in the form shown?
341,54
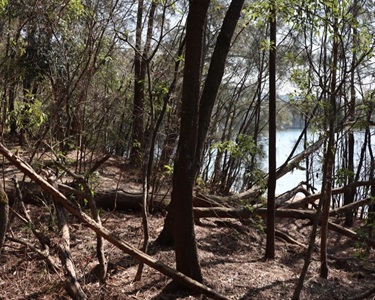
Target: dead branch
145,225
294,163
253,194
364,295
349,207
225,212
233,200
43,253
280,200
100,245
350,233
201,200
288,238
105,233
339,190
99,163
72,285
42,238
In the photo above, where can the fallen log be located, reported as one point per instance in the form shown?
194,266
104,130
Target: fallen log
336,191
243,214
350,207
288,195
225,212
251,195
294,163
288,238
105,233
201,200
111,200
350,233
118,199
72,285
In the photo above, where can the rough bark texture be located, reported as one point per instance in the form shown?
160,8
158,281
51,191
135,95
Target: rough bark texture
184,168
203,104
329,158
72,285
139,92
271,185
4,215
216,72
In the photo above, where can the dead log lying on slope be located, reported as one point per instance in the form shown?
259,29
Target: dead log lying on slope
105,233
311,198
113,199
225,212
243,214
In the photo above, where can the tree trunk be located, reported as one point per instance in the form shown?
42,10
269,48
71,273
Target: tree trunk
4,216
215,73
349,195
329,158
184,168
270,245
198,127
139,95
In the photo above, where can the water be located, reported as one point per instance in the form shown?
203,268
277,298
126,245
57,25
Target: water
285,141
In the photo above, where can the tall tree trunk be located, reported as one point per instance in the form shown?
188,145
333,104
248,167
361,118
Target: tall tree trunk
329,157
204,107
349,195
215,74
139,94
4,216
184,168
270,245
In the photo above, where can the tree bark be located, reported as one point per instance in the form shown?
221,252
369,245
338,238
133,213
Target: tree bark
215,73
205,102
350,194
139,93
184,167
271,184
329,158
72,285
4,216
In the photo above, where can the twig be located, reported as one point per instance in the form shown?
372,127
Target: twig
100,252
43,253
364,295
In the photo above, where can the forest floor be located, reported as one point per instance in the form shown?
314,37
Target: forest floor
231,256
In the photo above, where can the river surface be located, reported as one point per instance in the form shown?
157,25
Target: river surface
285,141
